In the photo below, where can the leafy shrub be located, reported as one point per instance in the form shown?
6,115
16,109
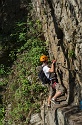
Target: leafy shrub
28,49
1,115
71,54
2,69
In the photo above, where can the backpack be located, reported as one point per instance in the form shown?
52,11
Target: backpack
43,77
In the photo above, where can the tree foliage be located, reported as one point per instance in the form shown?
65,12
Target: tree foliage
24,45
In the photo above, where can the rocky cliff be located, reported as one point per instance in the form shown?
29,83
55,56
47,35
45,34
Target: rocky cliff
62,27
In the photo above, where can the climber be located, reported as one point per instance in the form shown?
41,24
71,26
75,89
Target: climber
55,89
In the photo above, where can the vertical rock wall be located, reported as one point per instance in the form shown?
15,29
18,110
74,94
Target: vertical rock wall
62,27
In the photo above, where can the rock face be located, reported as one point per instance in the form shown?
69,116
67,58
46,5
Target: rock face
62,27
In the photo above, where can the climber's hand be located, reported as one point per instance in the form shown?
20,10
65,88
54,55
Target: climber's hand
54,61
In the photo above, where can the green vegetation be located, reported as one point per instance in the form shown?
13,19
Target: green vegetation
1,114
72,54
24,92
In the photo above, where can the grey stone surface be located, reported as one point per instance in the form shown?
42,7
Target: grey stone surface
35,119
62,26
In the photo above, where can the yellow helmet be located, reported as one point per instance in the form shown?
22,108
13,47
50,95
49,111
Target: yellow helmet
43,58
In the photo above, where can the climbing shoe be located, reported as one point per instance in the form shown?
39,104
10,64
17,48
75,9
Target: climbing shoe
49,106
54,101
